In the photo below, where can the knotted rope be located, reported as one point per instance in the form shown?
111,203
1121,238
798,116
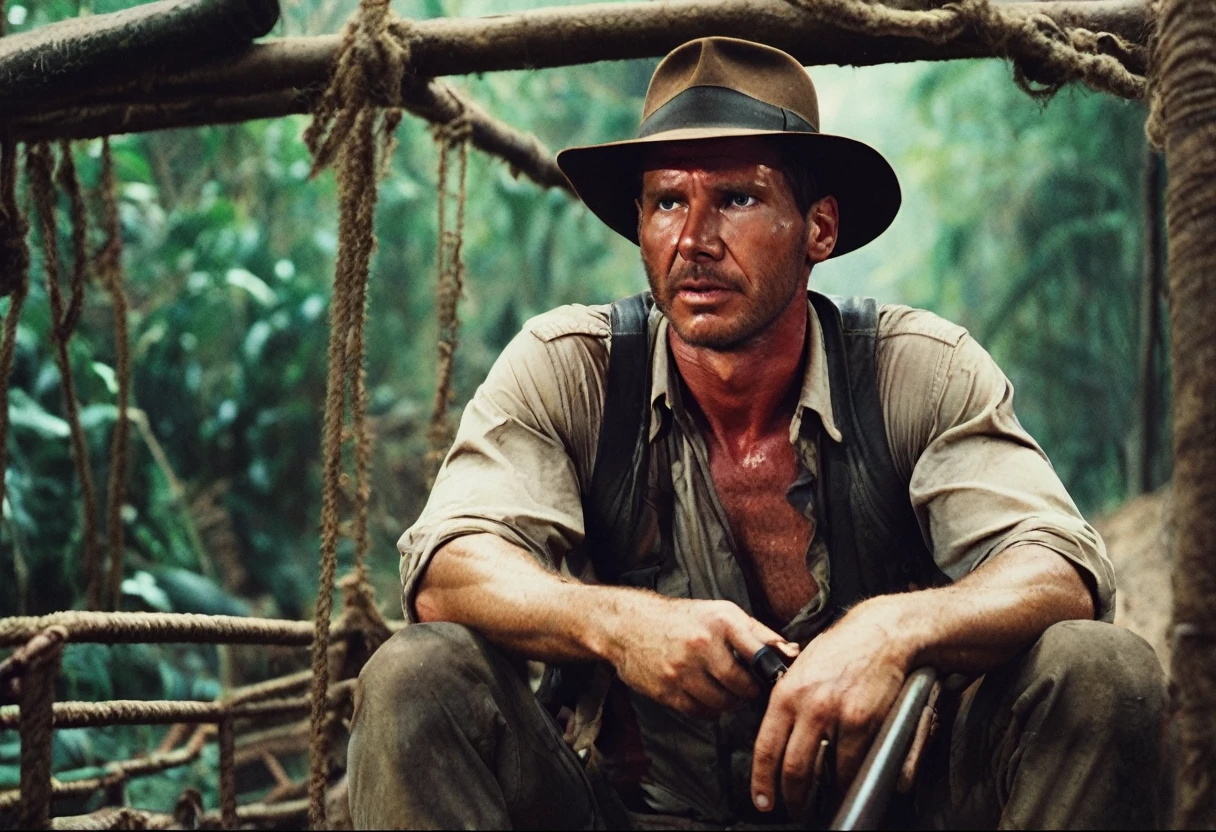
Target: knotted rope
1045,55
37,700
109,269
451,138
64,319
14,282
349,130
227,766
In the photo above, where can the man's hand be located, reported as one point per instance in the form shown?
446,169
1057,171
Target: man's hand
840,688
684,653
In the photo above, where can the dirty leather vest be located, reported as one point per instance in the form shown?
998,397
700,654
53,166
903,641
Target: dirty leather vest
861,508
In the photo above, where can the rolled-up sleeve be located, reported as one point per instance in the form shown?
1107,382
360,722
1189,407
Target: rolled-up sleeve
523,449
980,485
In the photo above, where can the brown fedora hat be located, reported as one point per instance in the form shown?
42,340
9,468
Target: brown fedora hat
714,88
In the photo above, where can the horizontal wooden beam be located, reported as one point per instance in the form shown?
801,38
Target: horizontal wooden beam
435,101
82,52
566,36
285,76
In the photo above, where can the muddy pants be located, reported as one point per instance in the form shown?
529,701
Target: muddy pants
447,735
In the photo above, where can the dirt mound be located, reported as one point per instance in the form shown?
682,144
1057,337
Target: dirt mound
1139,538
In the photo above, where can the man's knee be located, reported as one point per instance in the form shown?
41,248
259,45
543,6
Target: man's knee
1104,675
421,657
415,681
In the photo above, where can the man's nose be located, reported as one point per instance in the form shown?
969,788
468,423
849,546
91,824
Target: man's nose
701,238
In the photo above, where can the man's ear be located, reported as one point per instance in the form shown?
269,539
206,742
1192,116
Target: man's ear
637,203
823,228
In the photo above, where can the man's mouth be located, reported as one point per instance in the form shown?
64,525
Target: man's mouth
700,292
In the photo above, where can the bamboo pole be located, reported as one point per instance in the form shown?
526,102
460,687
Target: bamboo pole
1184,116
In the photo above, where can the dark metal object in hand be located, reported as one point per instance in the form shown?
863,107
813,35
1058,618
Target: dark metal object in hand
768,665
867,799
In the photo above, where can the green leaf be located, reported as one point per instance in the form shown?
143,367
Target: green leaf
107,374
254,285
24,412
143,586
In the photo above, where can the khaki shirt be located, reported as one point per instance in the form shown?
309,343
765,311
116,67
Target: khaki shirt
524,454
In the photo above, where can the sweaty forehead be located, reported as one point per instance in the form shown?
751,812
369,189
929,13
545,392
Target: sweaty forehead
739,154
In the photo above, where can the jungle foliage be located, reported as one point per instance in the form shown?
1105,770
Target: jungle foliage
1022,222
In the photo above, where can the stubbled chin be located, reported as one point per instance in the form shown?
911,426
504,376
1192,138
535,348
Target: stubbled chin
704,330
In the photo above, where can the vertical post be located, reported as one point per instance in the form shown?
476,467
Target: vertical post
227,763
1184,117
1144,454
37,700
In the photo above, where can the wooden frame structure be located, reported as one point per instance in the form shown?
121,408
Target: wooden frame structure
92,95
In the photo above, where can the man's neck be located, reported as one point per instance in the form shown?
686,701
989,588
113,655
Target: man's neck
748,393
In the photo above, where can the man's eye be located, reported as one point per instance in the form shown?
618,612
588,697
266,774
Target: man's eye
667,204
742,201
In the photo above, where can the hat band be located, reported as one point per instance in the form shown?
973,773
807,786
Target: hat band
721,107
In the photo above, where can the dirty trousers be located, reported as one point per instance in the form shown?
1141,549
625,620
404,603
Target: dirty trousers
447,735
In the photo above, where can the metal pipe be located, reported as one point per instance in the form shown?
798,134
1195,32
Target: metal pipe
867,799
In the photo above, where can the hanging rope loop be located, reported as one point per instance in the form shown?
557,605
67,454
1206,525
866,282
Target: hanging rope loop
347,129
452,138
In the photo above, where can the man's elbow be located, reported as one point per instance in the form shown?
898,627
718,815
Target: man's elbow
430,598
428,606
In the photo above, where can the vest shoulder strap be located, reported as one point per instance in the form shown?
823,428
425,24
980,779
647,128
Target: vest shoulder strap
874,540
618,478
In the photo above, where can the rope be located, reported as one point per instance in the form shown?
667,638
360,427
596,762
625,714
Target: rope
451,137
157,628
227,751
14,282
35,728
29,654
272,688
277,815
168,712
120,771
370,65
109,268
39,165
1045,55
289,738
116,817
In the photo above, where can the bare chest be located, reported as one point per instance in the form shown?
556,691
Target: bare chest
772,536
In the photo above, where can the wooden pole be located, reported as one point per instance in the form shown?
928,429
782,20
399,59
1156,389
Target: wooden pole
284,74
1184,116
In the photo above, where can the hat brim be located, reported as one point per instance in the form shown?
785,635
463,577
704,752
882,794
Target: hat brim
605,176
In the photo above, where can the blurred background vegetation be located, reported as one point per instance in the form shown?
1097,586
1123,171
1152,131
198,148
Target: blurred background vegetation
1022,222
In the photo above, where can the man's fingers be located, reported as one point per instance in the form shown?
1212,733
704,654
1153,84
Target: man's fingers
731,674
798,765
856,731
711,697
766,756
851,749
747,635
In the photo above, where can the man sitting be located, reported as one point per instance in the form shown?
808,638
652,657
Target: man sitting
734,465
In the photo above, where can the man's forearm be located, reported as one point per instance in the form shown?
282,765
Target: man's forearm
986,618
496,588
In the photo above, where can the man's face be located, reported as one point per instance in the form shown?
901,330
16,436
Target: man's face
725,247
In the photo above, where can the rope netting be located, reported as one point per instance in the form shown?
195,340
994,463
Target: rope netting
352,131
